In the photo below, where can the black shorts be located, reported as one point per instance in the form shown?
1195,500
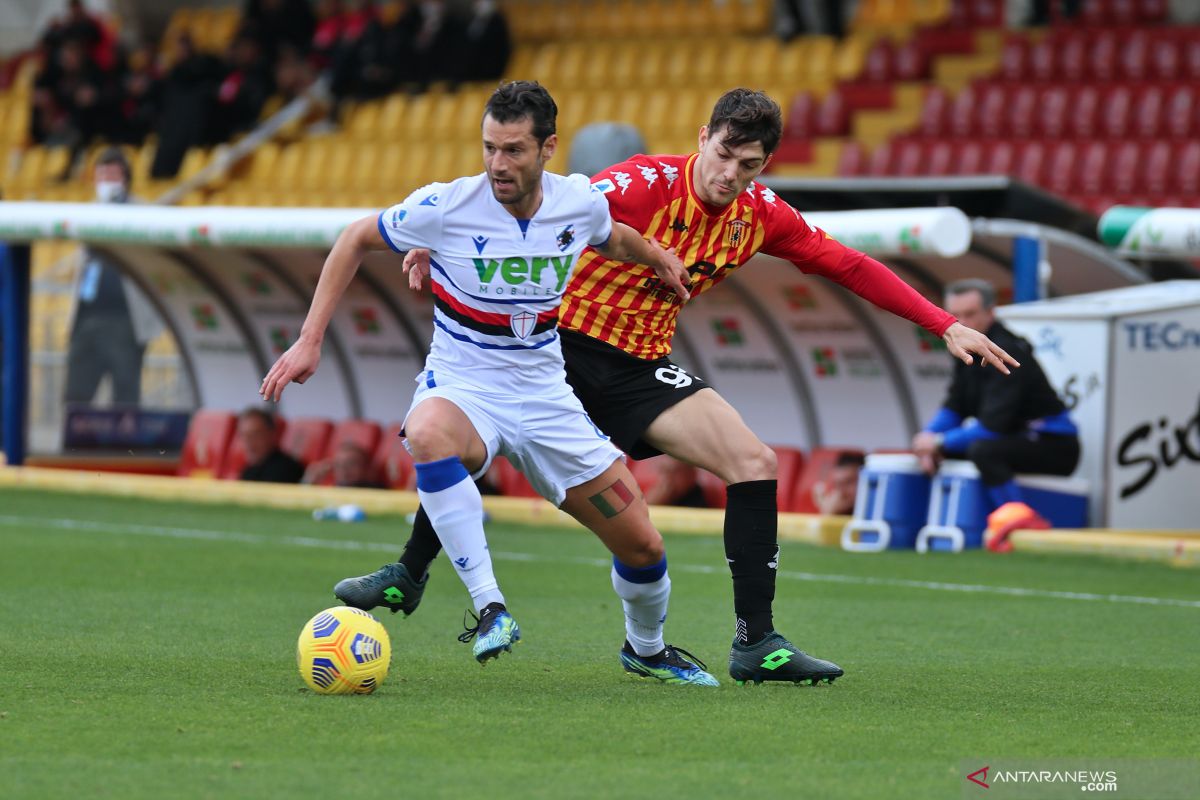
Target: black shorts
623,394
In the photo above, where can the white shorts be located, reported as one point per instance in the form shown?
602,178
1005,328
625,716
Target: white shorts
548,437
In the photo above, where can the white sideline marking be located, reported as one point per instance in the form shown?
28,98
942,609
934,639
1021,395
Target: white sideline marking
394,547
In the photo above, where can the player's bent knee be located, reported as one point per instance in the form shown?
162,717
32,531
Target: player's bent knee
757,464
644,551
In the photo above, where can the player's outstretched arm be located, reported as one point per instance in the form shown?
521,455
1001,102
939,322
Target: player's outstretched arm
300,360
963,342
627,245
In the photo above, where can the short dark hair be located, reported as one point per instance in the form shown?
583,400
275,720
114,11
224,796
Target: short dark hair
987,292
254,411
114,155
849,458
519,100
747,116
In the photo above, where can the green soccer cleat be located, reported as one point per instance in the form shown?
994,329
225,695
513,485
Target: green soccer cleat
672,665
495,631
777,659
391,586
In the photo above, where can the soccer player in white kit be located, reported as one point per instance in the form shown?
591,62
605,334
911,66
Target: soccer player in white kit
504,244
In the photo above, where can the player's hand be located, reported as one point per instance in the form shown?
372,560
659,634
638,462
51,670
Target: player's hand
416,267
295,366
671,271
963,342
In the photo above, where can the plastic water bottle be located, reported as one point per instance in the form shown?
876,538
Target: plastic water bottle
344,513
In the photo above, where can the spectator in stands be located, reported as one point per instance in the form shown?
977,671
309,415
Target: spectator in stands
189,92
486,43
139,97
71,97
259,437
244,90
279,22
1005,424
114,321
835,493
293,73
794,18
677,485
436,36
1040,10
350,466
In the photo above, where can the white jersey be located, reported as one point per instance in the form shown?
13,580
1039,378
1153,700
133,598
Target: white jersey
497,281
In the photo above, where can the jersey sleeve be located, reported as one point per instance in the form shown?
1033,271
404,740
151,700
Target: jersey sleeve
416,222
633,190
814,251
599,218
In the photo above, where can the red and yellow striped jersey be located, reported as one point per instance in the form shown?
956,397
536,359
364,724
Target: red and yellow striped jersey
627,306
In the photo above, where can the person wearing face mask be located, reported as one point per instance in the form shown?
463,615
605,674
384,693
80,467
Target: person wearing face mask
113,320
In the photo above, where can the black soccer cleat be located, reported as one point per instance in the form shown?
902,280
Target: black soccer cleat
776,659
390,586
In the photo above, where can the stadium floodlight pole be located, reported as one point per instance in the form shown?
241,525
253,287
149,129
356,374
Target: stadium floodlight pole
14,329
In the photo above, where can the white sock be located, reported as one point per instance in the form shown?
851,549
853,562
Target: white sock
645,600
455,508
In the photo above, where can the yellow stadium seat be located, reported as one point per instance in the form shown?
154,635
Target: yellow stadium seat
544,66
363,122
390,121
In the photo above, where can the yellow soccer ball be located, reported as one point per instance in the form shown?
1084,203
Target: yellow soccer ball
343,650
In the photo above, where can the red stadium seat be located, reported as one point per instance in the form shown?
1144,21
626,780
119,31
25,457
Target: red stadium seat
1152,11
1116,112
1043,60
1180,113
362,432
934,112
1134,58
1014,59
882,159
1102,58
1084,113
393,463
991,111
1050,107
713,488
1072,57
208,437
877,66
1060,168
510,481
1165,59
1190,61
1148,112
800,118
1157,167
852,160
820,461
999,158
789,465
235,456
1031,158
306,439
941,158
909,160
1124,166
910,62
1187,169
1091,177
832,116
962,113
970,159
987,13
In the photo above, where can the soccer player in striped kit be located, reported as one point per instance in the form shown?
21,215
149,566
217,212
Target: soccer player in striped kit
502,249
616,324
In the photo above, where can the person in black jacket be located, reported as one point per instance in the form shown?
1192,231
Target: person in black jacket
1004,424
259,436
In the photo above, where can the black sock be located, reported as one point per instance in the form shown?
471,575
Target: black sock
752,548
422,547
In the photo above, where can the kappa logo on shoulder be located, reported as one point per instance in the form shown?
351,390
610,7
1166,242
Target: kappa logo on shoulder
430,200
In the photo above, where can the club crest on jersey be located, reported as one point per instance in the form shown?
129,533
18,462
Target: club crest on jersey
735,232
522,324
565,236
605,186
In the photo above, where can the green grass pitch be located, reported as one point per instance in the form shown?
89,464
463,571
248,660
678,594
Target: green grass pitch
147,651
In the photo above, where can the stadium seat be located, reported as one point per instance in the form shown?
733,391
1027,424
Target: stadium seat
1090,178
962,113
882,159
1102,57
1072,56
1043,60
509,480
941,158
362,432
991,111
934,112
800,116
1125,168
1117,110
1187,169
1180,113
910,62
393,463
1148,112
1014,59
1165,59
852,160
1084,112
306,438
832,117
1030,161
909,159
999,158
1046,112
820,461
208,437
1060,168
1133,60
970,159
789,464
